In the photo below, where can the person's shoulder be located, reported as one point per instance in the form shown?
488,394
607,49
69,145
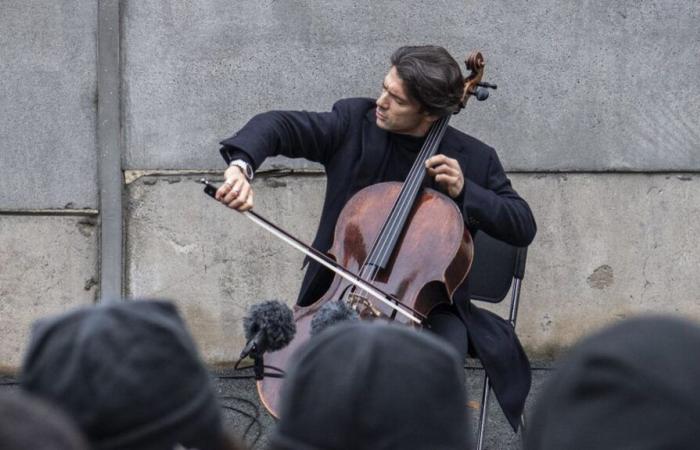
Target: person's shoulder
466,143
355,104
355,110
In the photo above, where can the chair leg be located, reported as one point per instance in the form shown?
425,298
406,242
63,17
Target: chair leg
482,416
522,430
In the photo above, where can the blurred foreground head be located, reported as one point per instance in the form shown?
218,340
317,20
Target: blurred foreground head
635,385
27,422
361,386
128,373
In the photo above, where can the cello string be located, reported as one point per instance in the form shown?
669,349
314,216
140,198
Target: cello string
386,230
405,200
369,268
411,186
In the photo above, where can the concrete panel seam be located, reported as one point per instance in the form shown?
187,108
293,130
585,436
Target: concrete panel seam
110,175
132,175
49,212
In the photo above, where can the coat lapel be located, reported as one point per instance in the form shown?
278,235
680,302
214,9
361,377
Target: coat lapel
372,153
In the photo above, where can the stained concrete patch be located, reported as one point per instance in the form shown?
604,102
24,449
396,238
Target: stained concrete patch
45,263
601,277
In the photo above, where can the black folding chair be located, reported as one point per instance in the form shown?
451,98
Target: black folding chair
497,266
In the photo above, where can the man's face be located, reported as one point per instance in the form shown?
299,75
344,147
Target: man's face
396,112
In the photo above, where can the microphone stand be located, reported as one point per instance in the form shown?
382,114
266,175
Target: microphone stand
258,364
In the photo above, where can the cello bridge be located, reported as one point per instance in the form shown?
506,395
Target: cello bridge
362,305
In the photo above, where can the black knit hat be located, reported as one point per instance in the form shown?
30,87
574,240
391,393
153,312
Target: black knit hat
635,385
370,386
128,373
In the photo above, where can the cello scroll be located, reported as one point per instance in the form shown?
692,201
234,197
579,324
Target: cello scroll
472,83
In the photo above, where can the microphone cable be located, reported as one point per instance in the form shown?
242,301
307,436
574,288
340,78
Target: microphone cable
279,373
254,418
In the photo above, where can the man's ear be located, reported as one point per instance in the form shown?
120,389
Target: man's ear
430,117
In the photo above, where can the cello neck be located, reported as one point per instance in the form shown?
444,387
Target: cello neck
383,248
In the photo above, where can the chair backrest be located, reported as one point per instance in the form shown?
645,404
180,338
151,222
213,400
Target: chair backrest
495,265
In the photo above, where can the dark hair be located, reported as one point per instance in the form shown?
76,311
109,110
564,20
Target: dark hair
432,77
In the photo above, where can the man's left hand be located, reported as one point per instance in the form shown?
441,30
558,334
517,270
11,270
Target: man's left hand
447,174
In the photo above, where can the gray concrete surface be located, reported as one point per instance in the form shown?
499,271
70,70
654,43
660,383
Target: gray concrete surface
239,401
608,247
47,265
213,262
594,86
47,104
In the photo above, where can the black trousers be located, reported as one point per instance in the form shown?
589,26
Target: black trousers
444,321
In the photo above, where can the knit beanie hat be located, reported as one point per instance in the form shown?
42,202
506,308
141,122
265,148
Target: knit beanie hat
27,422
364,385
128,373
635,385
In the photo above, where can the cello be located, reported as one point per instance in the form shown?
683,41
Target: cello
382,231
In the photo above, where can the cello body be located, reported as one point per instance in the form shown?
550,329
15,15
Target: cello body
431,259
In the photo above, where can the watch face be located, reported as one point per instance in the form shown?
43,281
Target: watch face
245,167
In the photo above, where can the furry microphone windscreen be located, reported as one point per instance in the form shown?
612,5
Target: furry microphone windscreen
275,319
330,314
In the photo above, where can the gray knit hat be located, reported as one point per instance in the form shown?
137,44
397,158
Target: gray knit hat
364,385
634,385
128,373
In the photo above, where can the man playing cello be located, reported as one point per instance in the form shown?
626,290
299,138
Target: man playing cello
362,142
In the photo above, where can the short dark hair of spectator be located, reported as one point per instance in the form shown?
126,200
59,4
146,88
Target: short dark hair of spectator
635,385
27,422
431,76
129,374
361,385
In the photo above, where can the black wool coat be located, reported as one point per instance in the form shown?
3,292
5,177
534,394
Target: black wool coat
350,146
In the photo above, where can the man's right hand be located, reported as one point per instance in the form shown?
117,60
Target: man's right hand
236,192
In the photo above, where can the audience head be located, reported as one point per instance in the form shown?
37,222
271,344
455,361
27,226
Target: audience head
635,385
27,422
361,385
129,374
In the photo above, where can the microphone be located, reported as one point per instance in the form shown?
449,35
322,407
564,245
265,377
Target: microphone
268,326
330,314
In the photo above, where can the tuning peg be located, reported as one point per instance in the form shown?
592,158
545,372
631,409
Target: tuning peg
481,93
487,85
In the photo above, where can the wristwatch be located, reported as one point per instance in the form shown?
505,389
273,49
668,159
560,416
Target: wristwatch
244,166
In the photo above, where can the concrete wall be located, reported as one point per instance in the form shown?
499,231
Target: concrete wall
47,104
49,264
48,173
594,116
582,85
609,246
